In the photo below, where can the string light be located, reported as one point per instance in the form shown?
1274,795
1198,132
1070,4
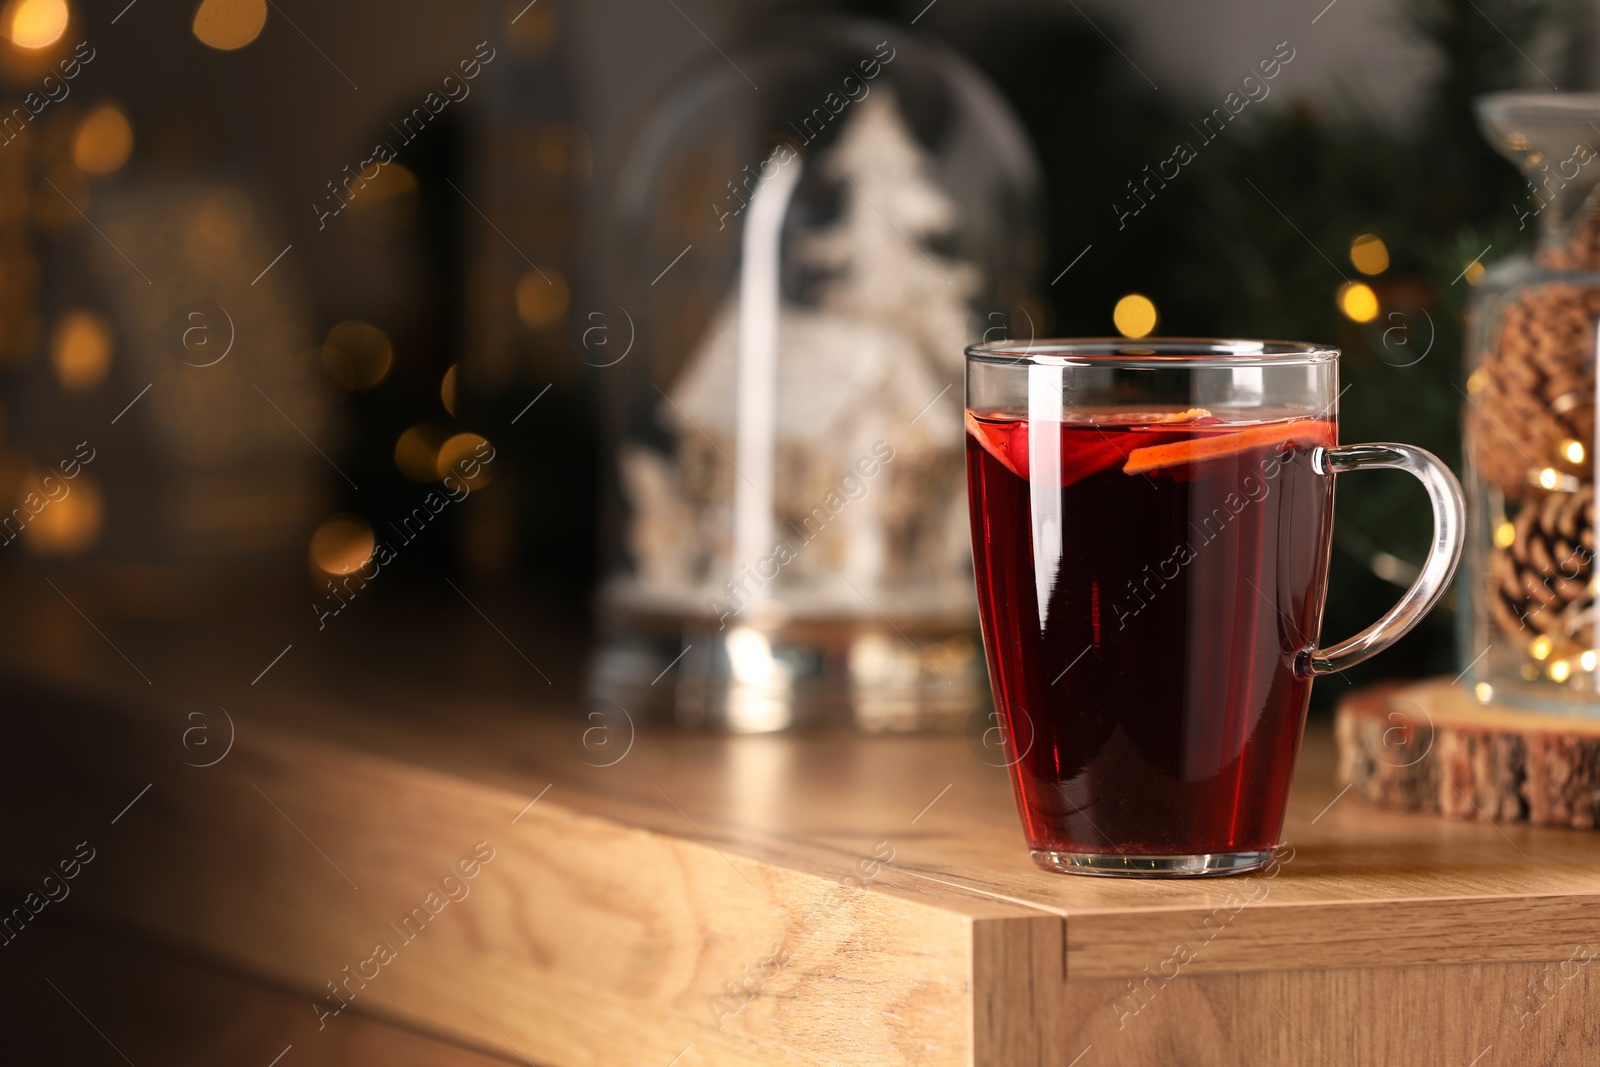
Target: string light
104,140
357,355
1134,315
70,525
416,453
341,544
1560,670
1539,647
531,31
447,390
229,24
386,203
80,350
1548,478
1369,254
34,24
1358,301
461,453
542,299
1573,450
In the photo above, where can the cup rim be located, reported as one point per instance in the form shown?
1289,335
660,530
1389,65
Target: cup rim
1151,352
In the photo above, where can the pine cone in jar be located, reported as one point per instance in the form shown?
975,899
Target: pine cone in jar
1579,247
1541,582
1533,396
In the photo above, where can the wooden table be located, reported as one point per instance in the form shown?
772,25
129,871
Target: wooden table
700,900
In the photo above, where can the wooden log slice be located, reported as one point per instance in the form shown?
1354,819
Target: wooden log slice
1429,746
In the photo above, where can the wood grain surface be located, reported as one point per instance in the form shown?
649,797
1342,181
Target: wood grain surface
750,900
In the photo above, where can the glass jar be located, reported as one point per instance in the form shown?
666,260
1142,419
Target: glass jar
1529,419
808,233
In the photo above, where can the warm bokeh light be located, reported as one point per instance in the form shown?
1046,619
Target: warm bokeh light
386,203
1134,315
1504,535
357,355
1560,670
1588,660
1573,450
1358,301
104,140
1369,254
66,526
531,30
34,24
342,544
1539,647
542,299
447,390
80,350
416,453
1484,692
229,24
1474,273
1548,478
462,449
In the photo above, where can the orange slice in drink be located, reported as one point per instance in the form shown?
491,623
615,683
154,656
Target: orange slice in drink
1195,415
1303,433
1083,450
1005,441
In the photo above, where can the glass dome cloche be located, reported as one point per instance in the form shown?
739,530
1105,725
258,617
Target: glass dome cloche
1530,419
806,234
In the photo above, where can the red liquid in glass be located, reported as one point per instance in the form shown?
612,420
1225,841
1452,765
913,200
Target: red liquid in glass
1154,707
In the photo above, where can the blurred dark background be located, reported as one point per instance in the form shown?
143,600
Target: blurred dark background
186,189
273,275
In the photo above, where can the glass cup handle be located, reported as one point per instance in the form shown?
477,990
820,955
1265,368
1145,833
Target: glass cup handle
1449,524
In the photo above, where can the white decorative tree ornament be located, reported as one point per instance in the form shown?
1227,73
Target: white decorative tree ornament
874,355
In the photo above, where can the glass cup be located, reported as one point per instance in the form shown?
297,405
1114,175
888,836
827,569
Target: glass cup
1151,523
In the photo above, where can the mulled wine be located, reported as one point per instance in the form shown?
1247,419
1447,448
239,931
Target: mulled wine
1150,587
